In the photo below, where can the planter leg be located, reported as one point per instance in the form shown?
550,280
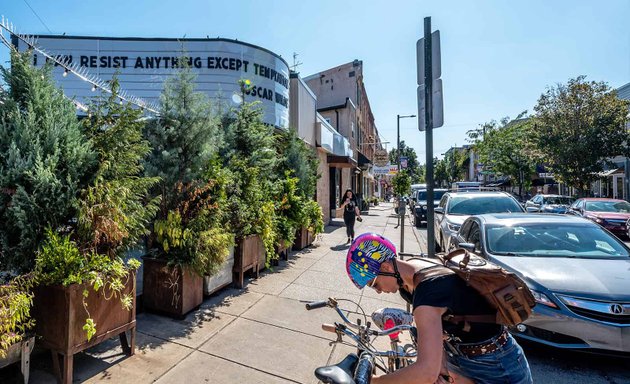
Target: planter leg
238,279
68,361
133,341
124,344
55,360
26,360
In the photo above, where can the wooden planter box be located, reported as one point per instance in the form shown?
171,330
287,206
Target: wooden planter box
170,290
59,315
20,351
222,278
303,239
249,254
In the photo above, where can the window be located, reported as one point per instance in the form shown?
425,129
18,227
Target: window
443,201
352,128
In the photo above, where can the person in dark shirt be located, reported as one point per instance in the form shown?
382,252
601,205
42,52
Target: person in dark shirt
351,213
449,352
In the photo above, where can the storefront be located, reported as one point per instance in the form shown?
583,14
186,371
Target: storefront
143,64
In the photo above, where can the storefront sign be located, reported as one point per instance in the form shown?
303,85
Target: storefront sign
143,65
381,157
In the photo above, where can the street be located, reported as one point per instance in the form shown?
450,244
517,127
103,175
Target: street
551,365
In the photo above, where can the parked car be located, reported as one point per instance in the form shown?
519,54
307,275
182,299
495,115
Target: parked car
455,207
577,271
420,208
549,203
414,191
612,214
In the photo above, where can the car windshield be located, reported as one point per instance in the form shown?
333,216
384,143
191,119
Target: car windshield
608,206
477,205
558,200
437,195
582,240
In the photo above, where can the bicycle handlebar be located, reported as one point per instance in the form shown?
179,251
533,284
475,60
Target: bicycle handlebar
316,304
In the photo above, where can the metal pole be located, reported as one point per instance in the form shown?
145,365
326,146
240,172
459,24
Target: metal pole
428,97
398,157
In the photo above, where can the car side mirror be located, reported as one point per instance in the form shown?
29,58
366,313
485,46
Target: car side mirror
439,210
470,247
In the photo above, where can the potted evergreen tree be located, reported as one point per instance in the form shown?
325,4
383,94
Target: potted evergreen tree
188,239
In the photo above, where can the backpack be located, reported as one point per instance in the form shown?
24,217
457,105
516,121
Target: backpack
503,290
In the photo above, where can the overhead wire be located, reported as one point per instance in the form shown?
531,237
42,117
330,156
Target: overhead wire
36,15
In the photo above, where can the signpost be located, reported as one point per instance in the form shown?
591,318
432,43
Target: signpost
430,109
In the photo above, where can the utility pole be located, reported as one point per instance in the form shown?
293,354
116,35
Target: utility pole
428,110
401,203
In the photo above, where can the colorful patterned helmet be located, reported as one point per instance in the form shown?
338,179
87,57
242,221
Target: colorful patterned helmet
365,256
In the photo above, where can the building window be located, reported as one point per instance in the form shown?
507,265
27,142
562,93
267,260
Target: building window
351,74
352,127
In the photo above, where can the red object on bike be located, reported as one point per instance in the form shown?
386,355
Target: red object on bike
389,323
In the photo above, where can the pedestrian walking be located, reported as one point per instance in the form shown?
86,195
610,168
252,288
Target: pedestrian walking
351,213
472,352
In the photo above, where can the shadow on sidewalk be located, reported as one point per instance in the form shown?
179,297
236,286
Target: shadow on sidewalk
340,247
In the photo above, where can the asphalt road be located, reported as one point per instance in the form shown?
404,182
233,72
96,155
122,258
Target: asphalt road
552,365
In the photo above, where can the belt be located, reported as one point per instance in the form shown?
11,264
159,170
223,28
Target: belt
490,346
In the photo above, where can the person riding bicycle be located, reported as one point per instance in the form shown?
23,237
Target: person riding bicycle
463,352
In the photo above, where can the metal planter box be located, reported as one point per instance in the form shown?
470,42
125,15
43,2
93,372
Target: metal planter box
59,315
303,238
249,254
222,278
170,290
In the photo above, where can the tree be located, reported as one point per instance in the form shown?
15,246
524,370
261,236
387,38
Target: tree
45,161
413,166
578,126
440,172
453,164
402,183
504,147
183,139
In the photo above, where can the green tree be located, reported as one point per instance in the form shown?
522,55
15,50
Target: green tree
183,138
440,172
414,170
45,161
505,148
453,164
402,183
578,126
115,209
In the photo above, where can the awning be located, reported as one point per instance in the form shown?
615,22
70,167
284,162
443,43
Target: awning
341,161
610,172
363,160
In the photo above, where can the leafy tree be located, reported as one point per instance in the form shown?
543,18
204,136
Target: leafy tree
413,166
577,127
299,158
505,148
402,183
45,161
440,172
453,164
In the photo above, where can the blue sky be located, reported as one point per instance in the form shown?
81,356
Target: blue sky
497,56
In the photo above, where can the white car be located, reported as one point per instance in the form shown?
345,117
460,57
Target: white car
455,207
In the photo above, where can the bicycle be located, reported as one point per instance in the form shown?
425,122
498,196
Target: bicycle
358,368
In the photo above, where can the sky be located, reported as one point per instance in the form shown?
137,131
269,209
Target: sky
498,57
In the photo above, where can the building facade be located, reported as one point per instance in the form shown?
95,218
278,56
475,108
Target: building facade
343,103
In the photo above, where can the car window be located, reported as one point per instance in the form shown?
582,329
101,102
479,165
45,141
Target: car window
477,205
577,204
577,240
443,201
608,206
564,200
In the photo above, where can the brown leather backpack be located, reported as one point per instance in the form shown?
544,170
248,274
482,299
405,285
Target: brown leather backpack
505,291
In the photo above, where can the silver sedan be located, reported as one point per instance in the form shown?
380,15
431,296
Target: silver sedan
578,271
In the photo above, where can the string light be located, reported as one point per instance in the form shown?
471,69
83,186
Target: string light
65,72
93,88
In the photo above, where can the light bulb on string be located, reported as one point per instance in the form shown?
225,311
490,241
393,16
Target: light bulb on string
65,72
93,88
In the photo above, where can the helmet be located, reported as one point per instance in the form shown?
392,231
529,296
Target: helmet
365,256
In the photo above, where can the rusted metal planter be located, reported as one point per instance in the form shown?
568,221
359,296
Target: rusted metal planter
20,351
303,238
170,290
248,255
222,278
59,318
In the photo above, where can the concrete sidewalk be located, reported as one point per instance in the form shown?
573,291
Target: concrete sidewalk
260,334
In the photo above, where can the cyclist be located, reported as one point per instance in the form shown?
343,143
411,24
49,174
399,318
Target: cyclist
450,352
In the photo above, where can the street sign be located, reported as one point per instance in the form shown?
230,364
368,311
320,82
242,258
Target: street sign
436,62
438,106
403,162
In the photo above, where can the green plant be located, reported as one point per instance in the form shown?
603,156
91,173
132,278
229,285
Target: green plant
16,301
45,161
314,217
59,261
402,183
